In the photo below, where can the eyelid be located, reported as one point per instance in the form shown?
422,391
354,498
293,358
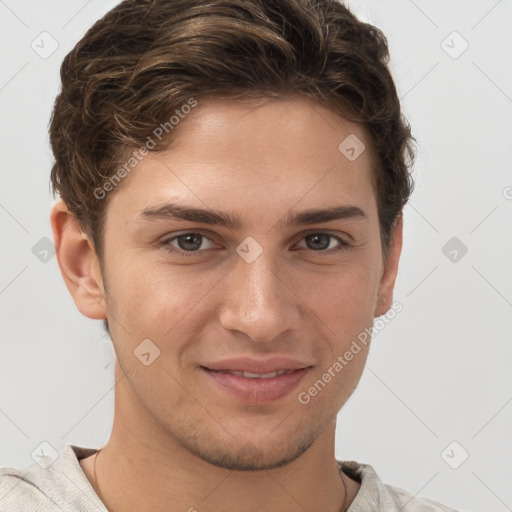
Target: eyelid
343,236
325,231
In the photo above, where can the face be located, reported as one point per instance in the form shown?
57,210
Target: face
258,275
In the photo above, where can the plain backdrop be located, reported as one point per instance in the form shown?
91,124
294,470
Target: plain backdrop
437,387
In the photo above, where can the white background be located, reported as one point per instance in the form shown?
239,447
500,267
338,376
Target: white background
440,372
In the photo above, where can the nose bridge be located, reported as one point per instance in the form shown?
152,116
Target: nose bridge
260,281
257,300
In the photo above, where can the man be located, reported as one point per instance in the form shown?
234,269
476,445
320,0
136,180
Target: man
232,176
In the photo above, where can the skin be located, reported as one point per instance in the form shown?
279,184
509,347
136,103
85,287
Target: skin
177,441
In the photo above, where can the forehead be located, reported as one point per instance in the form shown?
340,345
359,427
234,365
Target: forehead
267,152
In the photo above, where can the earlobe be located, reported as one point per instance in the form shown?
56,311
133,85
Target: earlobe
387,283
78,263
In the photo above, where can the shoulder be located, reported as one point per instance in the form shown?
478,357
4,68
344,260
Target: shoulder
406,502
21,489
377,496
51,485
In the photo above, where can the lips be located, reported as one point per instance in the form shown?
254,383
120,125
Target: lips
257,366
256,381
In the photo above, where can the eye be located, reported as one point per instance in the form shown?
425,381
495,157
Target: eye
322,242
192,244
187,243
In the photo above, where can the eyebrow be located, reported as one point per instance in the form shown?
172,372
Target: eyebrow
174,211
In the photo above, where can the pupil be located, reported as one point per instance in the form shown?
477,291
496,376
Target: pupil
320,237
192,242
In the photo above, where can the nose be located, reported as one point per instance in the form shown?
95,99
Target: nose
258,300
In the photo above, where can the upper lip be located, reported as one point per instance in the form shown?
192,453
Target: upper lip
249,364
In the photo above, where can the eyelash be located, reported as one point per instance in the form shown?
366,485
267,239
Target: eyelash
166,244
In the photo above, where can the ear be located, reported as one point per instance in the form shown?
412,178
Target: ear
78,263
387,283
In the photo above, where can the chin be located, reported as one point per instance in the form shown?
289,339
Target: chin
248,457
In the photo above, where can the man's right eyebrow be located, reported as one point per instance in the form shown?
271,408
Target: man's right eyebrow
172,211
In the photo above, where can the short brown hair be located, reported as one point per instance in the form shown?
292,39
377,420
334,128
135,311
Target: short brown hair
146,58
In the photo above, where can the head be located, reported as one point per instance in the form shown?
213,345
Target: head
259,114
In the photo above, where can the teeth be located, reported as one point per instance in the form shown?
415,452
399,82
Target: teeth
269,375
250,375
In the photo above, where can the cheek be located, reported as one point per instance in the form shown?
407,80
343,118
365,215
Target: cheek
151,299
344,301
345,315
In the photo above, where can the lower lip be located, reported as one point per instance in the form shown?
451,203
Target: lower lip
257,391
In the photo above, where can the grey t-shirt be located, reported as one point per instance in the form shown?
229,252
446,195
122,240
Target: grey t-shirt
63,486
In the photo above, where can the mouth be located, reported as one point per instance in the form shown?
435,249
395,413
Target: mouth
256,388
250,375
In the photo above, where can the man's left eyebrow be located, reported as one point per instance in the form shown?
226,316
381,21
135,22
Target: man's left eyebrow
316,216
